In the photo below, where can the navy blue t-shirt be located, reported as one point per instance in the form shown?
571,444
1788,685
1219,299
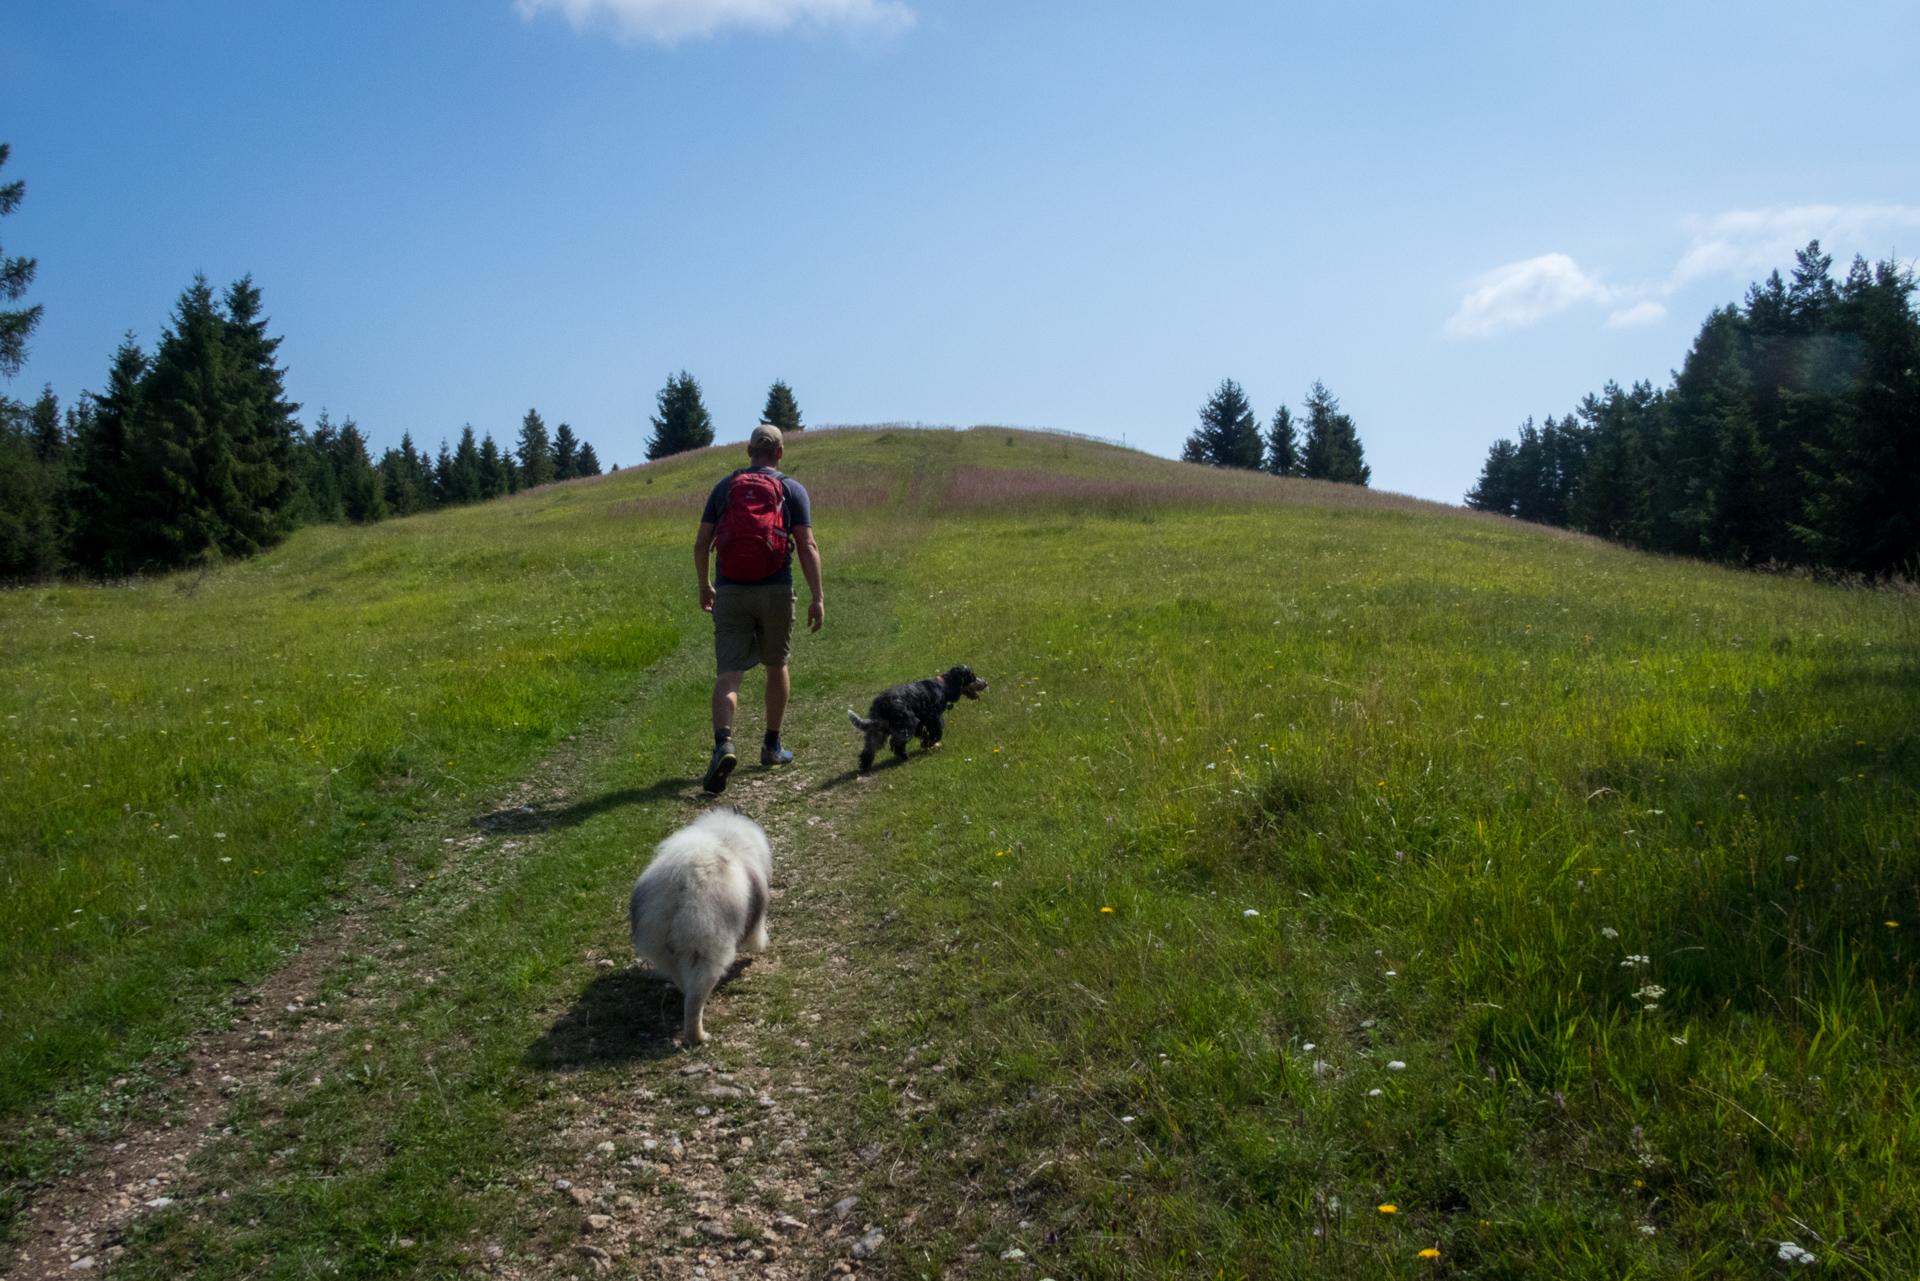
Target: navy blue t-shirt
796,511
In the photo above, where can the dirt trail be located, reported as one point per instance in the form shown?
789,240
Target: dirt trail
724,1161
75,1223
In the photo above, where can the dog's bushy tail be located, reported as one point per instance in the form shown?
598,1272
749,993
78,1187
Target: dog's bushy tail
861,725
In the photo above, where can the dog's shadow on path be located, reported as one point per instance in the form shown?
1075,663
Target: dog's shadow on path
628,1015
890,762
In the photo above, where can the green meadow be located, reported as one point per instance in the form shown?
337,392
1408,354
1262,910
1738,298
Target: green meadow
188,760
1330,884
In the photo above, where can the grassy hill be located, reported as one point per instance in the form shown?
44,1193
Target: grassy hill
1329,879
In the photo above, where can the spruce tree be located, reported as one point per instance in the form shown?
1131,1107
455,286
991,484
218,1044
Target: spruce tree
1611,498
16,276
588,463
420,470
465,481
1283,444
362,488
566,453
1860,512
212,438
1813,294
1796,360
535,452
402,482
49,434
104,503
682,422
1494,490
493,470
1541,471
1711,382
1736,528
315,464
1228,434
446,484
781,409
31,510
1332,449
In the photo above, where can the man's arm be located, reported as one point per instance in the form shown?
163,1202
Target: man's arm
809,555
702,548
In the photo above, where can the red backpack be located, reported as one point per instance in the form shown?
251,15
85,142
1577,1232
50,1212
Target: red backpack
753,532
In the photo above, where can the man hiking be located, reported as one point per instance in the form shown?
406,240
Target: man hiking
759,518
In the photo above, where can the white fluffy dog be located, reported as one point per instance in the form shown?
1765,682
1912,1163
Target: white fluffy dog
702,900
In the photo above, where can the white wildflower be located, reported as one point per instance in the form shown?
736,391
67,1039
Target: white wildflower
1608,932
1632,961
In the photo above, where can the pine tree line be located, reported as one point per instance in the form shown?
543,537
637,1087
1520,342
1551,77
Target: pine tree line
1327,448
474,471
193,454
1791,434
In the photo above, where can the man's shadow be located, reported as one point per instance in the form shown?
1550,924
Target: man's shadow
530,818
629,1015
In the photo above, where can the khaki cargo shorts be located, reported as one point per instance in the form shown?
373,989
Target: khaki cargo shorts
752,624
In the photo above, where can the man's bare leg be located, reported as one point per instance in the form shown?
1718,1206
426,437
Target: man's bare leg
779,686
726,697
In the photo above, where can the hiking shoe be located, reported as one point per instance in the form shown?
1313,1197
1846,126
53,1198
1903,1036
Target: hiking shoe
775,756
719,767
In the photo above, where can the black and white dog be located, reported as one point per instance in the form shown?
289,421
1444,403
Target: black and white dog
915,710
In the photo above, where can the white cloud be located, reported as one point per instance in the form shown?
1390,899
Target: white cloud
1524,293
1748,243
1641,313
1745,244
670,21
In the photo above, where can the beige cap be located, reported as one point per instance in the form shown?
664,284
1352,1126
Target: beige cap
765,437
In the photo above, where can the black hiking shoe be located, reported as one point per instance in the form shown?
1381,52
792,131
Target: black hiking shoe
719,767
775,755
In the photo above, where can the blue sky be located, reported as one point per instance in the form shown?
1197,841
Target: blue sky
1076,216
